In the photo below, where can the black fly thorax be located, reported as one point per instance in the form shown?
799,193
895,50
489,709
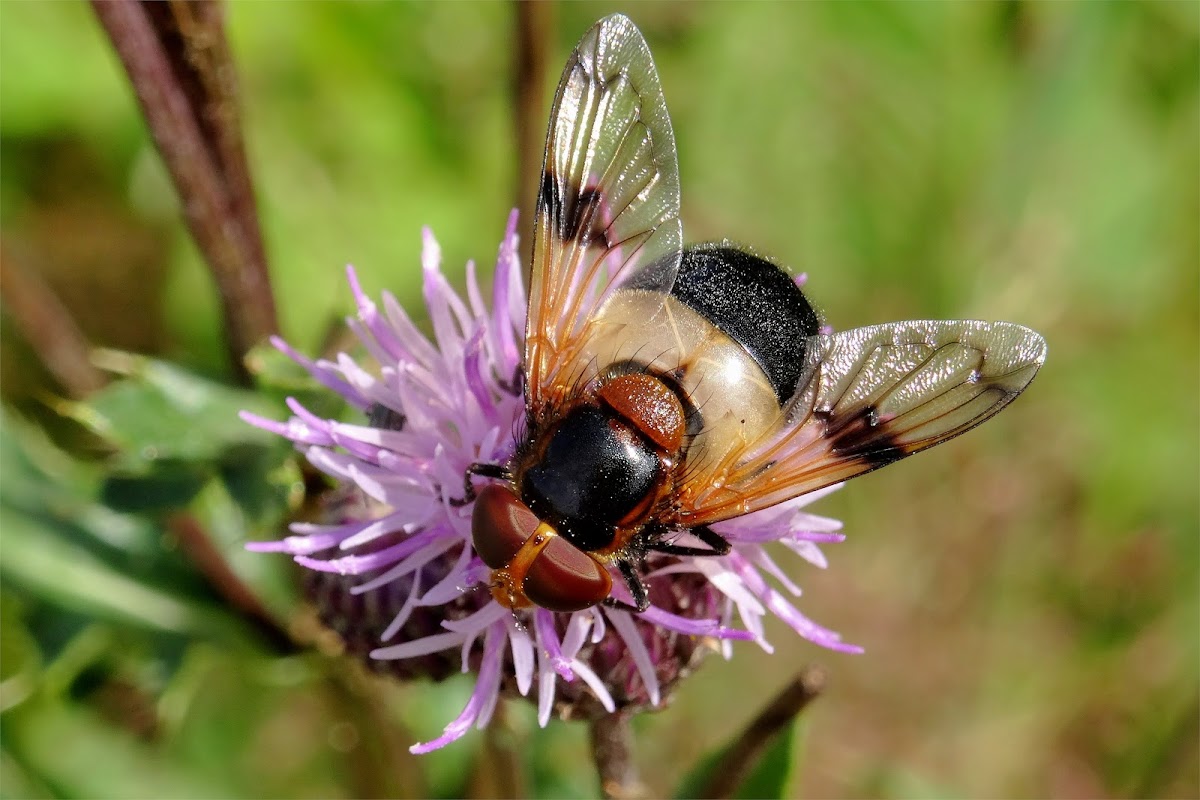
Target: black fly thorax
592,471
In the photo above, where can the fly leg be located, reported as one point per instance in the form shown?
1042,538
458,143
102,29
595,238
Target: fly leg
495,471
650,540
636,588
718,545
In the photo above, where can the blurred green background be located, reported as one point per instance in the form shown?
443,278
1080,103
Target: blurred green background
1028,596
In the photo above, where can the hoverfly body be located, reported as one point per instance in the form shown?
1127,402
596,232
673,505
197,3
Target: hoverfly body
670,388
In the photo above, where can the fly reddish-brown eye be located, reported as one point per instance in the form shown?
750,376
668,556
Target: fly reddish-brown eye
560,577
500,524
649,406
564,578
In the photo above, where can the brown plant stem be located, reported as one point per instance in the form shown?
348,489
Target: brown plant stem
534,35
48,327
179,65
199,548
194,123
194,41
498,771
127,705
756,736
612,750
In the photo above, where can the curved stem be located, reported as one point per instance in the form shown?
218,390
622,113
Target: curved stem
745,752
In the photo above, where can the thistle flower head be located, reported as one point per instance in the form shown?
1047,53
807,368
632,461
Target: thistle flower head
393,569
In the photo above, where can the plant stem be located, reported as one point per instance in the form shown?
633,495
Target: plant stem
49,328
199,547
612,750
193,35
745,752
534,35
378,762
498,770
178,62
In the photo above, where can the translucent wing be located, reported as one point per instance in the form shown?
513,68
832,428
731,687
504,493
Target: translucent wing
608,208
869,397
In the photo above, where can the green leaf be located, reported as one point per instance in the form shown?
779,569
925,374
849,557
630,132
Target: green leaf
171,485
38,560
265,483
22,659
177,432
160,412
768,777
38,475
17,782
49,500
75,753
222,715
63,547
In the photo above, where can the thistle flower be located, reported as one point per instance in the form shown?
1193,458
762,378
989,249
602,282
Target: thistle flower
394,570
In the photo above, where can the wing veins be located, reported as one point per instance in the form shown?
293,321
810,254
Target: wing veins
584,223
611,174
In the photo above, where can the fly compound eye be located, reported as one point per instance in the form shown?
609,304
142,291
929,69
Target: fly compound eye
500,524
564,578
531,562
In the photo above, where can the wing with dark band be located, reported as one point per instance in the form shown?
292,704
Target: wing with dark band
869,397
608,207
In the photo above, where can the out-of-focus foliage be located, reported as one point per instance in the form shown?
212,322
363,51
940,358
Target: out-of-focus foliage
1028,596
768,778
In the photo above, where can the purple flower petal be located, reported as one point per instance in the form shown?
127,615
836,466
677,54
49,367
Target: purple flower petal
404,613
637,649
419,647
693,627
486,688
522,655
323,373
